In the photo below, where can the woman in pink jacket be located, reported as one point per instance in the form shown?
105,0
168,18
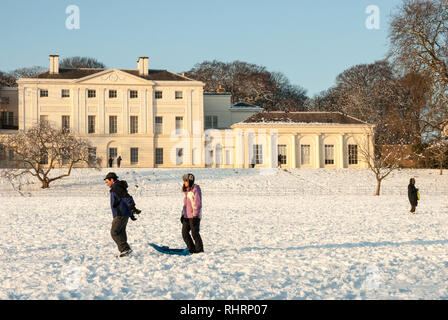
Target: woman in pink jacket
191,214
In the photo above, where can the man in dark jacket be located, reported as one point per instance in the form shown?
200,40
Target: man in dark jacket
121,213
119,161
412,195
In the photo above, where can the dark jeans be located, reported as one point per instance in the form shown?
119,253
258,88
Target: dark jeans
193,226
118,233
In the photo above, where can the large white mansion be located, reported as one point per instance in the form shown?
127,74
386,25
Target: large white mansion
156,118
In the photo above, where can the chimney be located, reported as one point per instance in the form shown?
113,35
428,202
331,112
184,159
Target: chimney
142,65
54,64
220,89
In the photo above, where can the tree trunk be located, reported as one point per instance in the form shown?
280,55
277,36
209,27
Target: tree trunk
45,184
378,186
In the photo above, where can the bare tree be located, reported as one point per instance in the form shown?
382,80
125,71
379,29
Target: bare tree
419,38
438,151
81,62
43,148
7,80
28,72
250,83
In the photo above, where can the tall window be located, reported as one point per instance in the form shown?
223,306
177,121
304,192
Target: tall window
112,94
2,152
113,124
352,154
159,125
282,154
92,154
43,157
65,123
258,154
179,156
179,95
113,152
158,95
91,124
305,154
134,124
43,93
133,94
329,154
134,155
91,93
4,117
179,124
211,122
11,118
159,156
43,118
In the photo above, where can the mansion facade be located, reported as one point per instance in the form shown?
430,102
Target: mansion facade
160,119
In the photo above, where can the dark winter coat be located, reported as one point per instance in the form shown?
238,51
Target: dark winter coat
120,200
412,194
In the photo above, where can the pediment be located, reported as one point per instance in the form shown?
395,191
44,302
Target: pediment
113,76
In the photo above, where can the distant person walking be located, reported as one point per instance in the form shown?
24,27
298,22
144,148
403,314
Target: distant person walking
413,195
191,214
119,161
111,162
121,213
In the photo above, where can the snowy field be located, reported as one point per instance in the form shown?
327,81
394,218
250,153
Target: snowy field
296,234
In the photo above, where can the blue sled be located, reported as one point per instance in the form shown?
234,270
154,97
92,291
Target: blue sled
167,250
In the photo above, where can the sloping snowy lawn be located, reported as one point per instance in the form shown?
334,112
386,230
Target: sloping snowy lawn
297,234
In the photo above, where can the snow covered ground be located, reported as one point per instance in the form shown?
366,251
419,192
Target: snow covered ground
268,234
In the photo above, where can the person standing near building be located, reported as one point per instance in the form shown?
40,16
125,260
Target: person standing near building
119,161
121,213
191,214
111,162
413,195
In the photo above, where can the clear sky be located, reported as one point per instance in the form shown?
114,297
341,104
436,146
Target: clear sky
309,41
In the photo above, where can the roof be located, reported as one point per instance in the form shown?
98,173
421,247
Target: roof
302,117
245,106
156,75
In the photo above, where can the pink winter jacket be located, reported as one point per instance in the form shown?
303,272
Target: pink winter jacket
193,203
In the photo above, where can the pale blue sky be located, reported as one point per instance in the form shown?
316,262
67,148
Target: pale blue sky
310,41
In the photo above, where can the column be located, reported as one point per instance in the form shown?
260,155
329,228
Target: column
101,110
293,162
342,151
317,162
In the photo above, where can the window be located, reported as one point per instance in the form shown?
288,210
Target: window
179,156
329,154
11,154
4,117
91,93
159,156
282,154
65,160
158,95
134,155
65,123
2,152
134,124
43,118
179,95
211,122
112,94
305,154
113,152
228,156
43,158
91,124
159,125
352,154
179,124
11,118
258,154
65,93
92,155
133,94
113,124
43,93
